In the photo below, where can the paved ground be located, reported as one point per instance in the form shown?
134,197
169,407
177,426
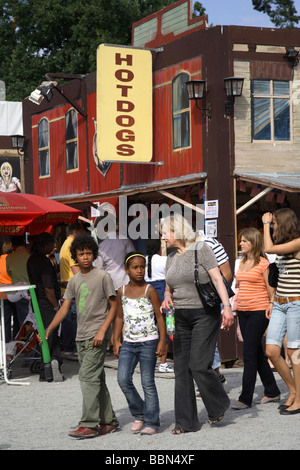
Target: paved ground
39,416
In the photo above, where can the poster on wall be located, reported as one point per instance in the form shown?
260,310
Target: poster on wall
211,209
10,174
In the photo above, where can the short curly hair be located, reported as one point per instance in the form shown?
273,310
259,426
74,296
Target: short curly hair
84,241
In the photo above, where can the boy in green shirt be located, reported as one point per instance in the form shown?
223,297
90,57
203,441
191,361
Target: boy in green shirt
96,304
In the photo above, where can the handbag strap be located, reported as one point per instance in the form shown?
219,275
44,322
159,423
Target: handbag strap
196,280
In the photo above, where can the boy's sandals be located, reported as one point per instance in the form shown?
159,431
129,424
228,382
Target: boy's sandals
176,431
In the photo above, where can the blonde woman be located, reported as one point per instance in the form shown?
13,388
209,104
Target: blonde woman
254,305
8,182
196,330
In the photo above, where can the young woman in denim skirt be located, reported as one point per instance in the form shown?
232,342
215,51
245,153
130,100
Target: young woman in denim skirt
285,317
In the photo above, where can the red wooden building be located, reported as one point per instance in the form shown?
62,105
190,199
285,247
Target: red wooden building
231,154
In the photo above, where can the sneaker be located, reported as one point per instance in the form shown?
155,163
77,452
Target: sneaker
83,433
136,426
222,379
57,375
165,368
148,431
107,428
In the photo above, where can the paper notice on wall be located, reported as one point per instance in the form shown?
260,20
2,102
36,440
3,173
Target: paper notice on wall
211,209
211,228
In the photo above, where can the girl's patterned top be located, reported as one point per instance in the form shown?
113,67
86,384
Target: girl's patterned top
139,318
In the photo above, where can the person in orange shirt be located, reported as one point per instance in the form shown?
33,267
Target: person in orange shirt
254,305
9,311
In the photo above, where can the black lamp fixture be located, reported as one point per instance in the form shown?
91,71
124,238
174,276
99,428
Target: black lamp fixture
18,142
233,88
45,90
195,89
292,56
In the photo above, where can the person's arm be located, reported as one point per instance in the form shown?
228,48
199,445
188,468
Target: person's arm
271,293
119,320
155,300
100,335
60,315
227,317
168,299
281,249
226,271
75,269
50,294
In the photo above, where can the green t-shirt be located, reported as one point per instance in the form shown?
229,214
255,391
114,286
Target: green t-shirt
91,293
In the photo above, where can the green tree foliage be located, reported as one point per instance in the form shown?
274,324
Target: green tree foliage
282,13
199,9
61,36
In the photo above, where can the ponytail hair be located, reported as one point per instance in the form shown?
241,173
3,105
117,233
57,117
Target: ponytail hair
152,248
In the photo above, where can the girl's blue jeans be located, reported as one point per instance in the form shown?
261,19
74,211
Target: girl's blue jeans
146,410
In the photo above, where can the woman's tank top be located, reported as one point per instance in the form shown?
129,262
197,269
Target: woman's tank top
139,318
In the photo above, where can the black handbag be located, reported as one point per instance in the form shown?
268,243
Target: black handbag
207,292
273,275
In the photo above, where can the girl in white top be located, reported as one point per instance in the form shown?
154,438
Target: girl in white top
138,305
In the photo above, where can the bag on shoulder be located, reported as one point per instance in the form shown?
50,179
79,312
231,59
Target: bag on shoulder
207,292
273,275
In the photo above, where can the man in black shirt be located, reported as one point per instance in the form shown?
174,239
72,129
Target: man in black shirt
42,274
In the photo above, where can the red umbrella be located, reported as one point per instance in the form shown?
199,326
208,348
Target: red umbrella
20,212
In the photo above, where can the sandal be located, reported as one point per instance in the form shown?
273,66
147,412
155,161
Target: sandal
176,431
217,420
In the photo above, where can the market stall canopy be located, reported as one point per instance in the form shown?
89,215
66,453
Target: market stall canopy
20,212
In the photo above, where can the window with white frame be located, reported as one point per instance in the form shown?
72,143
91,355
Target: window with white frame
271,109
180,111
71,140
43,148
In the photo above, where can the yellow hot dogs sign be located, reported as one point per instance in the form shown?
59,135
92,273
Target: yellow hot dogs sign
124,104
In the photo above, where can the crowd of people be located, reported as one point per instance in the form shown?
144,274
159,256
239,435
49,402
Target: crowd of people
110,295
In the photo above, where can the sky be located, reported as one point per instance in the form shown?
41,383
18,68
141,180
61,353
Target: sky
237,12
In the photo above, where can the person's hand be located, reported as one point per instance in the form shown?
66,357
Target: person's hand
39,338
267,218
269,310
116,348
167,302
161,348
98,339
227,318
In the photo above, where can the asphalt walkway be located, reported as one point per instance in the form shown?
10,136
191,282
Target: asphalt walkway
38,417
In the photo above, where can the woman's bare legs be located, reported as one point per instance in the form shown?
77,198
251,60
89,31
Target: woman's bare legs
294,356
273,352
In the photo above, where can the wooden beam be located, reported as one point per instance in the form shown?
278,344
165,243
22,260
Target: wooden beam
181,201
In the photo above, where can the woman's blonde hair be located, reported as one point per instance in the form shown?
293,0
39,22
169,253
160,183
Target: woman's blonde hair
183,231
6,165
253,236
